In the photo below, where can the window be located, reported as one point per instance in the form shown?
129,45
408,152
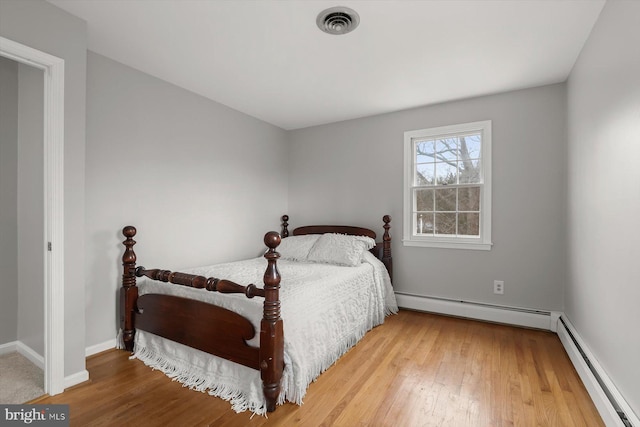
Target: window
447,200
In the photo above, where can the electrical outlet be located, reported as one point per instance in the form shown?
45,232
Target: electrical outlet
498,287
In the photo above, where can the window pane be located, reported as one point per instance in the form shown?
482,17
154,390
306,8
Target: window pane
469,199
470,146
424,151
469,171
446,173
424,223
425,174
445,199
445,223
424,200
447,149
469,224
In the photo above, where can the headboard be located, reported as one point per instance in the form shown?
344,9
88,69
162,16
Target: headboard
382,250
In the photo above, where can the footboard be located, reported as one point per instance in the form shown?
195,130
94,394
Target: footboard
204,326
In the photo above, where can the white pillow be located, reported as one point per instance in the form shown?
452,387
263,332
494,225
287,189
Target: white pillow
340,249
296,248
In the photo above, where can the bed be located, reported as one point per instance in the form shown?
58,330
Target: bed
335,286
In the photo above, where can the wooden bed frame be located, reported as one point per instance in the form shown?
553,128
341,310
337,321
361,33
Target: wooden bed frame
214,329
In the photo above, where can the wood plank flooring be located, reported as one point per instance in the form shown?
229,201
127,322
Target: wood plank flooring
417,369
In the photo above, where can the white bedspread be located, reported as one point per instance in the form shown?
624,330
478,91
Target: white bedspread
325,309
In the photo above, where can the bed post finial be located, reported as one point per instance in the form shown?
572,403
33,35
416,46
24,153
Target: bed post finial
271,332
386,246
285,226
129,257
129,291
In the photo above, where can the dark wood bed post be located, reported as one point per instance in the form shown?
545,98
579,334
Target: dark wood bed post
271,332
285,226
386,246
129,291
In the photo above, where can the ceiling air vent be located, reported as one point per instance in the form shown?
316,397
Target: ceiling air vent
338,20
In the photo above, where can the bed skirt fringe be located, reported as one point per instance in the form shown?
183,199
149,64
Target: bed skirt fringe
120,340
184,374
389,310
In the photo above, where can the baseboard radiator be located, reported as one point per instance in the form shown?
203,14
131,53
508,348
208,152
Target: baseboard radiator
530,318
611,405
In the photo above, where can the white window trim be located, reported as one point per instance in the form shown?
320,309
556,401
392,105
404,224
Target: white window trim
483,242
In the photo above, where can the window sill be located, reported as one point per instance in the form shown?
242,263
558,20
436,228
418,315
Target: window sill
478,246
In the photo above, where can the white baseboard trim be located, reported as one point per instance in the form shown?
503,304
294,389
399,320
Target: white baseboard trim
603,392
75,379
492,313
9,347
36,359
24,350
95,349
30,354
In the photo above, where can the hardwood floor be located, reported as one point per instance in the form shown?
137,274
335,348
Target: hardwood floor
417,369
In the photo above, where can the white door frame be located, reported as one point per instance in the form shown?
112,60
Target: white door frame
53,248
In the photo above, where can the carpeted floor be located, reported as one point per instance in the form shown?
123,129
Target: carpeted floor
20,380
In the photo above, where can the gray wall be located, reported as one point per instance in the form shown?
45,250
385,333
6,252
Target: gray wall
31,208
8,200
352,171
45,27
602,292
200,181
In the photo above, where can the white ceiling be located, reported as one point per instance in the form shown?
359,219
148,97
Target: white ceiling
268,58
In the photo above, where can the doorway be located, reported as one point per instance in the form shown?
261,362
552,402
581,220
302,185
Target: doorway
52,217
21,231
